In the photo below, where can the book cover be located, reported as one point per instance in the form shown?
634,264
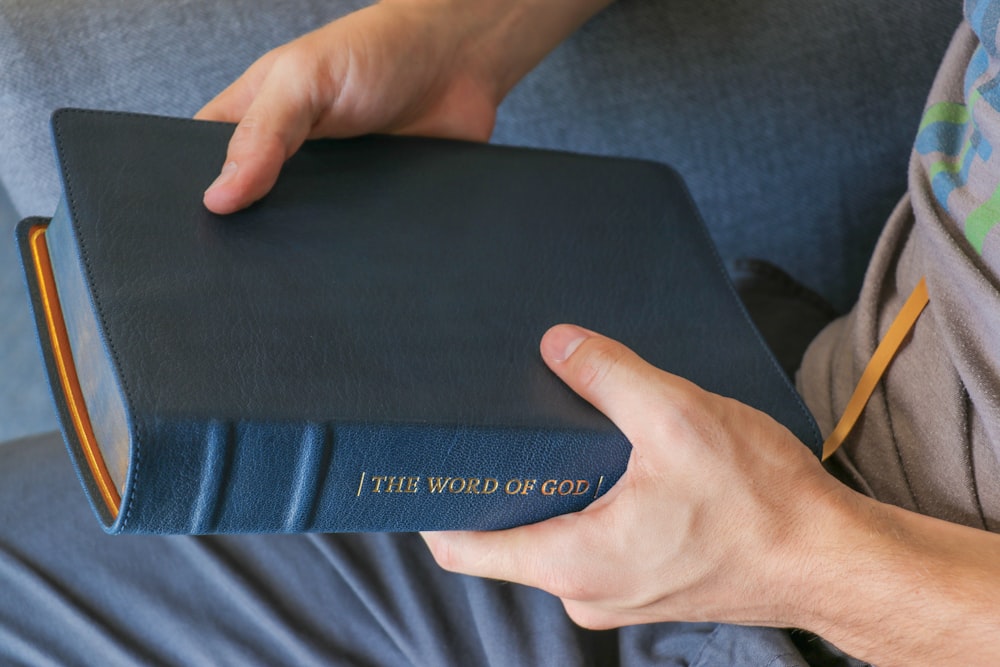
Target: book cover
359,350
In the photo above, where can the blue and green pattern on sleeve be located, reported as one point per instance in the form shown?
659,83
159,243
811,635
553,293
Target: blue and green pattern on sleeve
955,139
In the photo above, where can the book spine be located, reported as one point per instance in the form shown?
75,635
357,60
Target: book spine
235,477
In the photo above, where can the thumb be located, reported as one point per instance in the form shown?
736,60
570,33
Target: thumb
631,393
615,380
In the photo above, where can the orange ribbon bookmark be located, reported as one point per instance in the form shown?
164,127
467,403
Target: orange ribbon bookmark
877,365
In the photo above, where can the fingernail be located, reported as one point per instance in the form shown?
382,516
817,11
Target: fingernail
226,175
561,341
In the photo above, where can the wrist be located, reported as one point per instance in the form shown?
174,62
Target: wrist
842,535
811,543
497,42
523,32
887,585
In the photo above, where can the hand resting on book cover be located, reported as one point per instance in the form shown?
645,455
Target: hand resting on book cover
708,521
393,68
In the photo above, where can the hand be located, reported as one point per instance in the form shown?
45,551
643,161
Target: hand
419,67
712,519
379,69
722,515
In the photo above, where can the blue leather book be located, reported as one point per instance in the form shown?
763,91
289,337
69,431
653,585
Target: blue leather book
359,350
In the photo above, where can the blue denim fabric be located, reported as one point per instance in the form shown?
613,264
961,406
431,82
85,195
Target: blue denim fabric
25,404
791,122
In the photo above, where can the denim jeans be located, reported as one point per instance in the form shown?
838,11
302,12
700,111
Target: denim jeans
75,596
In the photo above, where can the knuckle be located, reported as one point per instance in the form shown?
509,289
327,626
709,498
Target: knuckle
688,412
687,408
293,59
246,134
600,358
254,137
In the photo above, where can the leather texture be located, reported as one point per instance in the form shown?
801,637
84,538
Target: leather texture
379,313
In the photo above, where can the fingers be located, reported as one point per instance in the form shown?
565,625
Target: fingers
703,512
559,555
387,68
275,123
552,556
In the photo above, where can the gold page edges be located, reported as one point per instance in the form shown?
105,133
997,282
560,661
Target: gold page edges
66,370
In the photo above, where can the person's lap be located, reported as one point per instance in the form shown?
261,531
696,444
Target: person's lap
73,595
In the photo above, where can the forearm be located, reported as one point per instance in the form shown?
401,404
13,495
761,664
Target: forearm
897,588
505,39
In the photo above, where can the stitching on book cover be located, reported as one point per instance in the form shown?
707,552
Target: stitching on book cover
71,202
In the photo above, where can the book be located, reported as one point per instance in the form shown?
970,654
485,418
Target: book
358,351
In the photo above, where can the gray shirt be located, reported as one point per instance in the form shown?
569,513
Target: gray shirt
929,438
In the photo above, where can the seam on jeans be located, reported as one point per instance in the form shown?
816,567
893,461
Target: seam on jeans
708,640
